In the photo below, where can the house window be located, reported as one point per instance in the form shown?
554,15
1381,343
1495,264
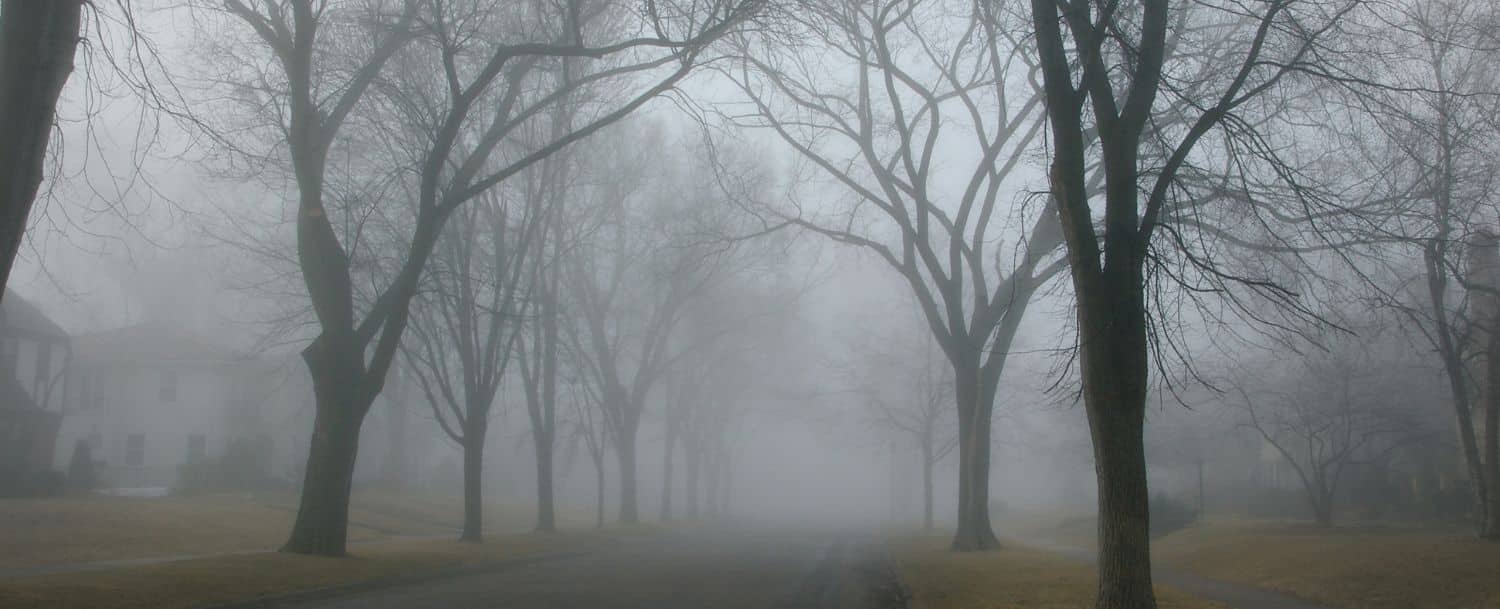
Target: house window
196,447
168,391
135,449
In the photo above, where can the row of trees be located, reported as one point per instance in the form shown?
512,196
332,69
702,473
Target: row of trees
1192,153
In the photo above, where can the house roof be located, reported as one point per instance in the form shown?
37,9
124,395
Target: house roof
21,314
151,342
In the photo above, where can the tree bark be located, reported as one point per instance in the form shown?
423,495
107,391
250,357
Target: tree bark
473,483
1114,367
1124,508
625,451
36,58
322,523
975,405
1490,527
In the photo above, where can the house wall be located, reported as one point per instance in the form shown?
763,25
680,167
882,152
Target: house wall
126,400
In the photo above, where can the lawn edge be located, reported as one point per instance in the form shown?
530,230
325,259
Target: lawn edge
267,601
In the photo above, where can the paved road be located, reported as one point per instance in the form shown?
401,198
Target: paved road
722,570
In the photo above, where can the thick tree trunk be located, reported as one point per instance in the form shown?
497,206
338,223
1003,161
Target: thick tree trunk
974,407
1114,367
37,42
473,484
1490,527
322,524
546,519
625,450
1124,507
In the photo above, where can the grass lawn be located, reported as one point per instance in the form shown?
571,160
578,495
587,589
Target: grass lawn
1014,577
190,583
1350,568
81,529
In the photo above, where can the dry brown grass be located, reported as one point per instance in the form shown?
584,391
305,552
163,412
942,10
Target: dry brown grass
192,583
1352,568
1014,577
83,529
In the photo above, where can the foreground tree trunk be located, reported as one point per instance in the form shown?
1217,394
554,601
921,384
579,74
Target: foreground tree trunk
37,42
1112,324
322,523
625,450
546,510
975,407
1489,528
473,486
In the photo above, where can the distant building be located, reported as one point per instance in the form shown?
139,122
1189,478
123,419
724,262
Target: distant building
34,350
149,398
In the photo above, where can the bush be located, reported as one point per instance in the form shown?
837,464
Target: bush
1169,515
83,473
19,484
244,466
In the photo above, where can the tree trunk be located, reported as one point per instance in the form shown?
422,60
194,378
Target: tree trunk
546,519
599,492
927,484
37,42
625,450
974,407
711,483
1490,528
322,524
666,471
473,484
1114,367
1201,502
1124,506
694,465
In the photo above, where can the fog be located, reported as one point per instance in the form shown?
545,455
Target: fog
826,286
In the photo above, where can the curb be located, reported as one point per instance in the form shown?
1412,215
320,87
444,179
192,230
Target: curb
271,601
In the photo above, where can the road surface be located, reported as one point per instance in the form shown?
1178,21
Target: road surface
746,569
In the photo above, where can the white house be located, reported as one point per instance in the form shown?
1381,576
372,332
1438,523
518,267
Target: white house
149,398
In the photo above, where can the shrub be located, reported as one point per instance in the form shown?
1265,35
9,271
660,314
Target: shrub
83,473
243,466
18,483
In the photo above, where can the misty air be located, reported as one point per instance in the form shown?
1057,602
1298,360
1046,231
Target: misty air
750,304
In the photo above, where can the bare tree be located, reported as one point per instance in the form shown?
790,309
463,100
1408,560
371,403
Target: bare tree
467,323
630,285
1326,412
1438,134
922,142
1110,71
909,391
476,67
